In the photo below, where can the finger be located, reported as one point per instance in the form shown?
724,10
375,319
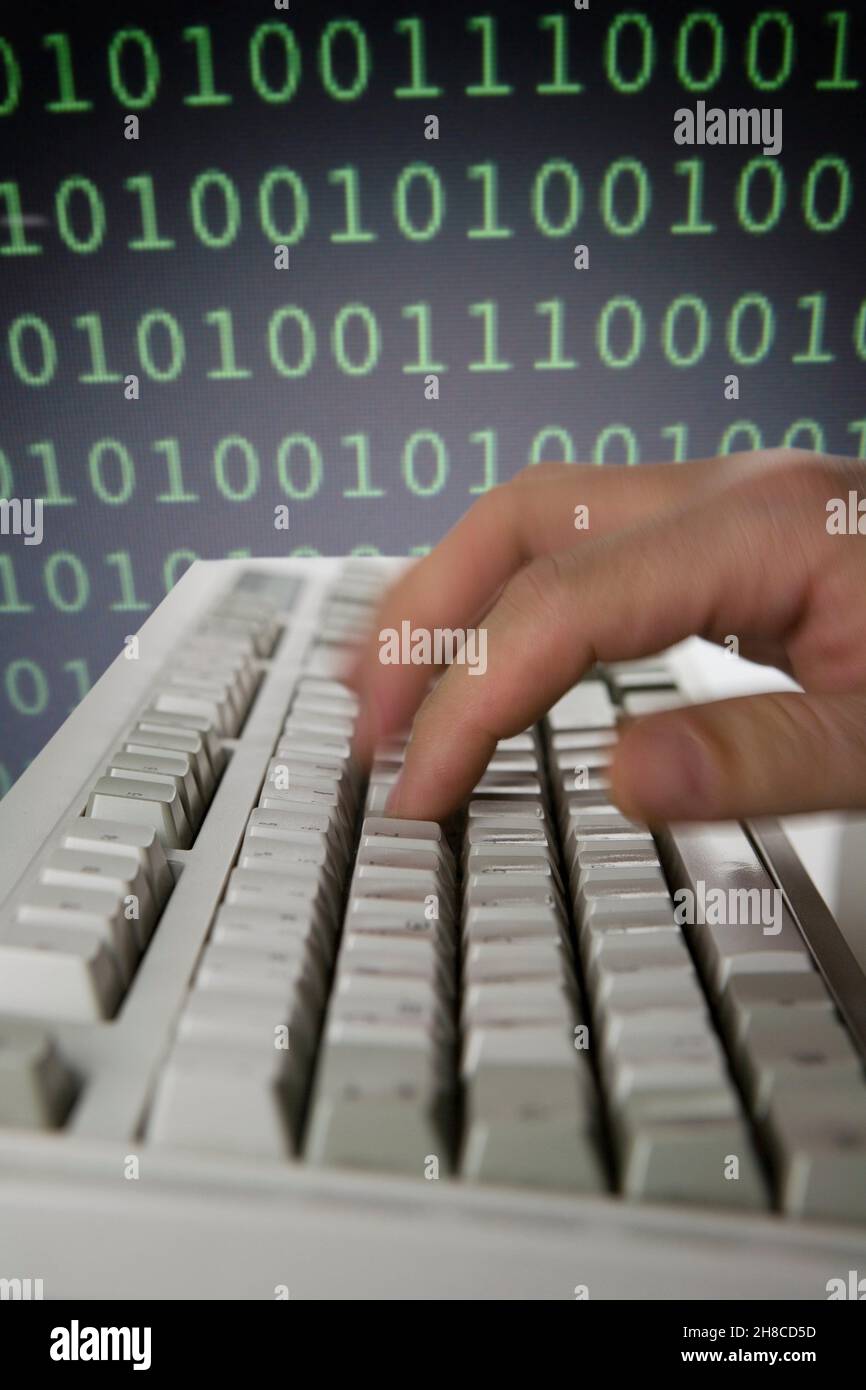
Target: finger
761,755
737,567
508,526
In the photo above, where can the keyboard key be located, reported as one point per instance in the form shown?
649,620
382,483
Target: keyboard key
228,1097
156,805
808,1048
159,721
818,1139
116,837
535,1146
689,1160
36,1088
587,706
58,972
161,764
121,875
80,909
142,740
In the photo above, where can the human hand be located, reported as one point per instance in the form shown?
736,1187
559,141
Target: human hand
740,545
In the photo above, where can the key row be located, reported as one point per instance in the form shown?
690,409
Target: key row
531,1113
165,771
238,1074
81,928
797,1066
385,1084
674,1112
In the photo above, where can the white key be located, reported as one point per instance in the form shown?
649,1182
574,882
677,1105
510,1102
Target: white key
393,1009
58,972
624,1022
646,939
245,1012
538,1147
153,804
131,776
379,1057
398,903
120,875
497,1087
636,951
308,856
258,888
483,832
208,702
392,828
159,765
394,1130
485,856
508,784
602,819
625,909
317,796
749,997
226,1099
370,880
84,909
603,859
511,921
587,706
269,972
727,951
687,1161
158,720
216,680
500,1005
204,658
380,853
807,1047
282,823
250,925
635,1077
606,877
411,956
327,726
641,702
36,1088
584,738
312,688
535,958
114,837
818,1137
662,987
517,811
141,740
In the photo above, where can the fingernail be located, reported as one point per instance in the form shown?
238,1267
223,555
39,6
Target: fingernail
668,774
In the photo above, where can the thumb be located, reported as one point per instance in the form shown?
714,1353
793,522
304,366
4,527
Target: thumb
763,755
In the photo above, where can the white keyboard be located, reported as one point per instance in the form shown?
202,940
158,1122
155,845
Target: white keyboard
257,1040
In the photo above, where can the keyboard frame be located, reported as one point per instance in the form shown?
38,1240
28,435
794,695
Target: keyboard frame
195,1225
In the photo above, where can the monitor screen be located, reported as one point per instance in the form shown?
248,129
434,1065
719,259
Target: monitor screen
304,279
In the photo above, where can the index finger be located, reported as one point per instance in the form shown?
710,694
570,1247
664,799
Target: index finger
507,527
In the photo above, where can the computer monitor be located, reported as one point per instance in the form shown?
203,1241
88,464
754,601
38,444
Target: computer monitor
301,279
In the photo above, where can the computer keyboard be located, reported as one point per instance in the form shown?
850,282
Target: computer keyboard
239,1003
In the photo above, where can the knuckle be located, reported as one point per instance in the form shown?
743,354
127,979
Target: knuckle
536,592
